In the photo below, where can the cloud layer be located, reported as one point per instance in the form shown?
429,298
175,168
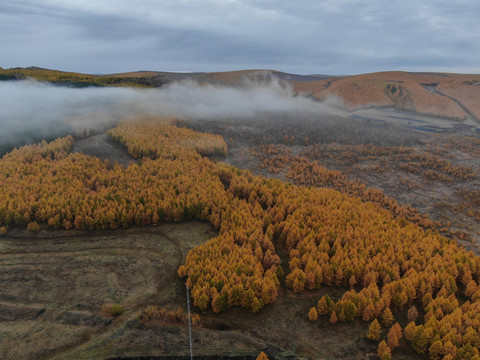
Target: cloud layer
305,36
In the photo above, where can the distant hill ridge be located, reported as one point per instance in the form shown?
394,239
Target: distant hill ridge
438,94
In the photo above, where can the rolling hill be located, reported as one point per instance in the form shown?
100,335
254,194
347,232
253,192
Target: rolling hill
445,95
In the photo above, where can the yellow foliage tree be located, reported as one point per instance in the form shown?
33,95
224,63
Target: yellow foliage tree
313,314
383,351
374,330
262,356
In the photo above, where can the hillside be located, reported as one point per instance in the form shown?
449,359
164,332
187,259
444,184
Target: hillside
435,94
445,95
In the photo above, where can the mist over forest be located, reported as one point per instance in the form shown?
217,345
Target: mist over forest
31,110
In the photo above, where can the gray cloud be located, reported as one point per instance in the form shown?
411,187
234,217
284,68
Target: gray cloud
305,36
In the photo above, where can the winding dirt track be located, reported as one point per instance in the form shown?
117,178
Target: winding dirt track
470,116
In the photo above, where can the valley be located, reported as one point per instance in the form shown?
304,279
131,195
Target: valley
374,208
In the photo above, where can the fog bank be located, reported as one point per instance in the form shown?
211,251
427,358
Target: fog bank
30,107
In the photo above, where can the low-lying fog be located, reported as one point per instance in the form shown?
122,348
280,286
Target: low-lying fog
30,106
31,111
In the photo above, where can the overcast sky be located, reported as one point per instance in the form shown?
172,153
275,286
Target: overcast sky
298,36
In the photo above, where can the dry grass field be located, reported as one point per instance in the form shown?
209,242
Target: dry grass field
53,286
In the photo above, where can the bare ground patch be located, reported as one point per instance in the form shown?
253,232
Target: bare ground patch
52,289
103,147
